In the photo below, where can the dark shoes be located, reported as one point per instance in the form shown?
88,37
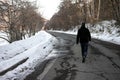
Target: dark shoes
83,61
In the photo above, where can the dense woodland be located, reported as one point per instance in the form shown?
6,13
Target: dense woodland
20,17
73,12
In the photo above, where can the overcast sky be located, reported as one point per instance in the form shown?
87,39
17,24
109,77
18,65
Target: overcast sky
48,7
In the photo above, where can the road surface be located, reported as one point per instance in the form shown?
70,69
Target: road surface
102,63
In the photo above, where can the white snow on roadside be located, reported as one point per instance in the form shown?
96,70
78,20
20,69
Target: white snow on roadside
2,41
105,30
35,49
38,47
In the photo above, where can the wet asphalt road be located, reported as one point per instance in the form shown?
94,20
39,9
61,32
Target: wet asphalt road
98,66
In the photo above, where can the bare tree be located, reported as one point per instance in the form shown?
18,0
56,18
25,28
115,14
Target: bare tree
72,12
19,18
9,16
98,10
116,9
30,20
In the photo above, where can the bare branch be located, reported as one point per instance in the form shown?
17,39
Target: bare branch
5,39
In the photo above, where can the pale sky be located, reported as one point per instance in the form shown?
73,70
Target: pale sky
48,7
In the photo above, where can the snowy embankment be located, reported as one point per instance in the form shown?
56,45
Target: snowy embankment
22,56
2,41
105,30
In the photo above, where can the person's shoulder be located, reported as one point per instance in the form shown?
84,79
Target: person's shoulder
79,29
86,28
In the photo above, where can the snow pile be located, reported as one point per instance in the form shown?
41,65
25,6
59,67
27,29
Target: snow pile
18,59
2,41
29,51
106,30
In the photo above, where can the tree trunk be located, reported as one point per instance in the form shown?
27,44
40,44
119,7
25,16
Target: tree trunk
93,9
116,9
98,14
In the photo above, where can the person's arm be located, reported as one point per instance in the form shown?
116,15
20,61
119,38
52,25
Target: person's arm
89,35
77,39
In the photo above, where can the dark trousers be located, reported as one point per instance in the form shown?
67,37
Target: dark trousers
84,48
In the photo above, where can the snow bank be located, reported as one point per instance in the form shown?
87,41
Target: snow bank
35,49
2,41
106,30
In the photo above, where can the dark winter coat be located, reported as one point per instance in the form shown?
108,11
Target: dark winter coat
83,35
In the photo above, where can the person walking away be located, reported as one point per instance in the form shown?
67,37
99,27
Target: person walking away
83,37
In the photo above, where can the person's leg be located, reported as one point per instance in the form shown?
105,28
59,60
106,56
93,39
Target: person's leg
83,52
82,49
85,49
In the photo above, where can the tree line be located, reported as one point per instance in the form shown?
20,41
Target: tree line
18,18
73,12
